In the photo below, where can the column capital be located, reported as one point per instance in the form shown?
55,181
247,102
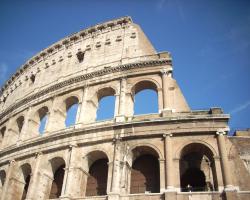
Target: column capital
37,154
12,162
167,71
167,135
221,132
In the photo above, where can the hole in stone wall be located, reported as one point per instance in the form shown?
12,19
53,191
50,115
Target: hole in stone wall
80,56
33,78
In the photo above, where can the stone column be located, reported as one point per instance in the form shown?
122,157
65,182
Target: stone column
224,160
162,174
115,184
34,179
169,162
165,75
73,175
122,101
25,129
6,186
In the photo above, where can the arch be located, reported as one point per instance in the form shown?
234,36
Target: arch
144,84
71,109
24,177
151,148
197,160
20,123
105,103
57,168
2,134
42,115
97,167
210,147
2,179
145,172
143,92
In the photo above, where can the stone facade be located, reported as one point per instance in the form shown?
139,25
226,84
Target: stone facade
175,154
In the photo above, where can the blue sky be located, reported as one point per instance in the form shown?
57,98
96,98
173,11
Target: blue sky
209,41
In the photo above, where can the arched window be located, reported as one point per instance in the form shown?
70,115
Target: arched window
71,111
58,166
43,117
106,104
2,179
20,122
2,133
26,172
106,108
145,98
98,174
197,170
145,174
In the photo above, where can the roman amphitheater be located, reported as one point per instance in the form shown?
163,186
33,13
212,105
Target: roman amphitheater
174,154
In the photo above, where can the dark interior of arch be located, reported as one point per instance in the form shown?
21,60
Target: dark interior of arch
192,177
26,172
20,122
2,177
195,178
145,175
97,181
56,187
26,186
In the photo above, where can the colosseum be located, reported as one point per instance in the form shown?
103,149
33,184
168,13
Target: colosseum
174,154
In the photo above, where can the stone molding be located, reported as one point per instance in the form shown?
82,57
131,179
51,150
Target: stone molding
67,41
85,77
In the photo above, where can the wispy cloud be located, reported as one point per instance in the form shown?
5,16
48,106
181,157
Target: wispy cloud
240,108
160,4
3,72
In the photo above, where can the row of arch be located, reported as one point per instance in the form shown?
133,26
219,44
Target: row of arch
196,167
67,111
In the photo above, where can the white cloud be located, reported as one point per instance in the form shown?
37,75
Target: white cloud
240,108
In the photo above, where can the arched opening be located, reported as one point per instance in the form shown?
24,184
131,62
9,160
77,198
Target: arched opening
20,122
106,104
98,174
58,166
2,179
43,117
145,98
145,174
197,169
26,173
72,104
2,133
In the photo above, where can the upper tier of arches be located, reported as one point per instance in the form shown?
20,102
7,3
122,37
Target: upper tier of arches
105,45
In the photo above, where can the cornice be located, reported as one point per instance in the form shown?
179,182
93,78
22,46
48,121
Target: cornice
85,33
87,76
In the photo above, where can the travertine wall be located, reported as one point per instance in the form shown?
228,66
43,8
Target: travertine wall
114,58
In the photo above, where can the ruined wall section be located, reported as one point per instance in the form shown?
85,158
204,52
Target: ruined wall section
103,46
